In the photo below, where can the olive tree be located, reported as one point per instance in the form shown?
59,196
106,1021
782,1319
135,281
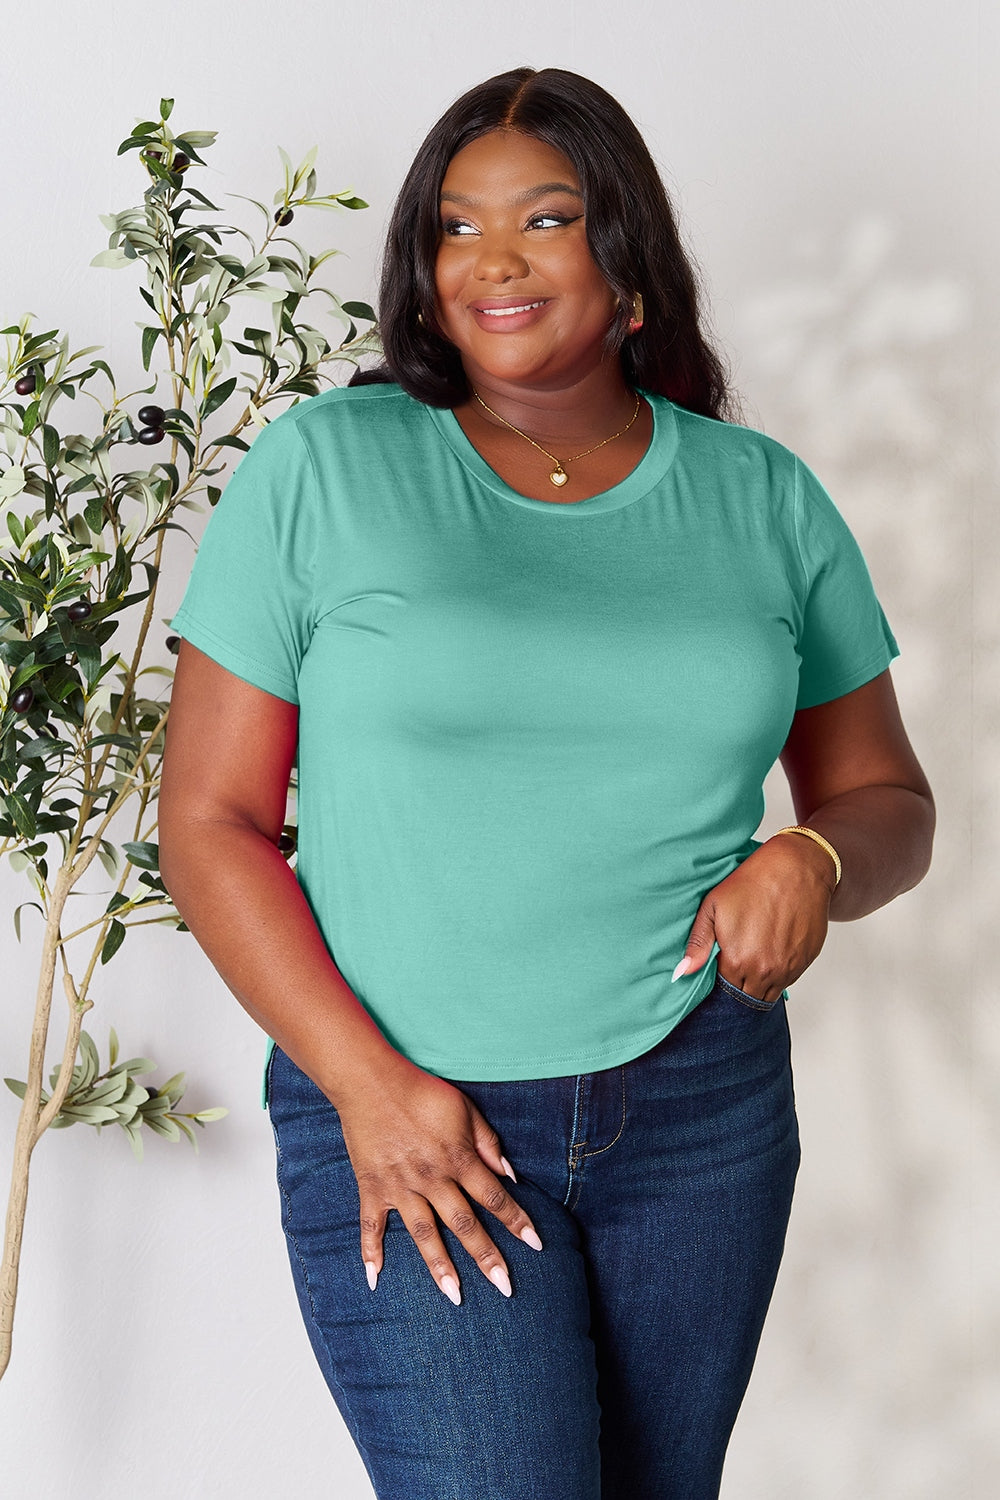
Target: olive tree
85,521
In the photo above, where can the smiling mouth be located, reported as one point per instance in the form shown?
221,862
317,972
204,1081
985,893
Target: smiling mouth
509,312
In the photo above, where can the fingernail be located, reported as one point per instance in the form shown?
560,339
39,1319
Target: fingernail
371,1273
499,1278
681,968
508,1168
531,1238
449,1286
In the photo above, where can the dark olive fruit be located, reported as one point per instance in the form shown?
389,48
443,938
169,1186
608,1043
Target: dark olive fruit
286,843
149,435
181,162
153,1093
151,416
26,384
284,216
173,644
22,700
79,610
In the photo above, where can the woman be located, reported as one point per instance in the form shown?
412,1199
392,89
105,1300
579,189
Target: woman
536,622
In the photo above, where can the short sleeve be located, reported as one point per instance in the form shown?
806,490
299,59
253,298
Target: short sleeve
249,599
845,638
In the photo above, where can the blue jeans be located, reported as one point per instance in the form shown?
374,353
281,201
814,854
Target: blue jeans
661,1190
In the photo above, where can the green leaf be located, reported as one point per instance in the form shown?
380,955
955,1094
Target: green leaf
24,818
50,445
204,1115
94,514
113,1046
263,291
89,1114
133,1129
217,396
146,856
352,202
200,198
173,1089
113,941
149,337
117,901
166,105
139,1065
17,915
89,1059
107,1090
359,310
115,258
108,855
16,1087
183,1125
89,656
163,1125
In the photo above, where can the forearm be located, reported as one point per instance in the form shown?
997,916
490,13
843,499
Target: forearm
883,835
247,911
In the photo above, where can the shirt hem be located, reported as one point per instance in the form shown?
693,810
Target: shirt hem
874,667
568,1063
226,655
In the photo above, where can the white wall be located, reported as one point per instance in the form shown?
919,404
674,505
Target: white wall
836,170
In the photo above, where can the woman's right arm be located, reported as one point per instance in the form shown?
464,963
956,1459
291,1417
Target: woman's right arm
417,1143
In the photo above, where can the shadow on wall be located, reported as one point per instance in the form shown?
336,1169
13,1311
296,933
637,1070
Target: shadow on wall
875,374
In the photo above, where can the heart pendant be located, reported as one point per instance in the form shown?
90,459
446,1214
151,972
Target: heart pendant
559,477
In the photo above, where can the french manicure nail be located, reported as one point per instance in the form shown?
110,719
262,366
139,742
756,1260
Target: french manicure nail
531,1238
500,1278
450,1288
371,1273
681,968
508,1168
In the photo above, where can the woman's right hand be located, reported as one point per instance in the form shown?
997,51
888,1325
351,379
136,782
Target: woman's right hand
420,1146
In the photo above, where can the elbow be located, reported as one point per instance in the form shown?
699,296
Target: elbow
926,827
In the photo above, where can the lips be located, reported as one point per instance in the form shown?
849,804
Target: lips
508,310
508,314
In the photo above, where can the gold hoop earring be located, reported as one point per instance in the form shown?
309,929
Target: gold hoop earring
638,313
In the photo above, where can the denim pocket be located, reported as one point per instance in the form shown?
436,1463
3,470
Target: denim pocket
750,1001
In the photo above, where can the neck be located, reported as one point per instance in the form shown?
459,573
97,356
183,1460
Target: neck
568,413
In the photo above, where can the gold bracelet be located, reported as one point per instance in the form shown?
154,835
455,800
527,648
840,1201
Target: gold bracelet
818,838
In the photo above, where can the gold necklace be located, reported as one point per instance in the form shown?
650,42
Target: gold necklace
559,475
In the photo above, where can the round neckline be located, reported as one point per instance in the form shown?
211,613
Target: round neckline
647,473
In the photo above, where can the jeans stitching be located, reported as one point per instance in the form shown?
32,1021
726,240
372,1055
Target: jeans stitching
621,1127
290,1233
573,1159
750,1001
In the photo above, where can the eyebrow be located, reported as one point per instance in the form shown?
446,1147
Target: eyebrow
520,199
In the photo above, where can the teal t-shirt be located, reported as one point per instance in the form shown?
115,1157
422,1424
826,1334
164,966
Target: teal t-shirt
532,734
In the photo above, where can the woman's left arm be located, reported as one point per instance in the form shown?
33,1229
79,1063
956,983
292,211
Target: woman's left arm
854,779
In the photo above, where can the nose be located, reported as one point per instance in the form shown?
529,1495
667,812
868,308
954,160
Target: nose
498,260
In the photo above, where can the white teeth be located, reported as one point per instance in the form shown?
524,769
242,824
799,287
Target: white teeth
508,312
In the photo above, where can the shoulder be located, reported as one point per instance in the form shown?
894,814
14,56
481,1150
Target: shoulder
351,414
707,441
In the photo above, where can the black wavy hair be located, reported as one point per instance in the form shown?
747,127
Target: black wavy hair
631,230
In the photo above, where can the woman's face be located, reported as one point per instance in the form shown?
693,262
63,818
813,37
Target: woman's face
518,292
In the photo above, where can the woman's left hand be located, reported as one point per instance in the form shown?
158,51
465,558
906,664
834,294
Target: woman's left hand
769,917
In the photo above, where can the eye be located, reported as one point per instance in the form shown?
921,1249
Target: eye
457,227
547,221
